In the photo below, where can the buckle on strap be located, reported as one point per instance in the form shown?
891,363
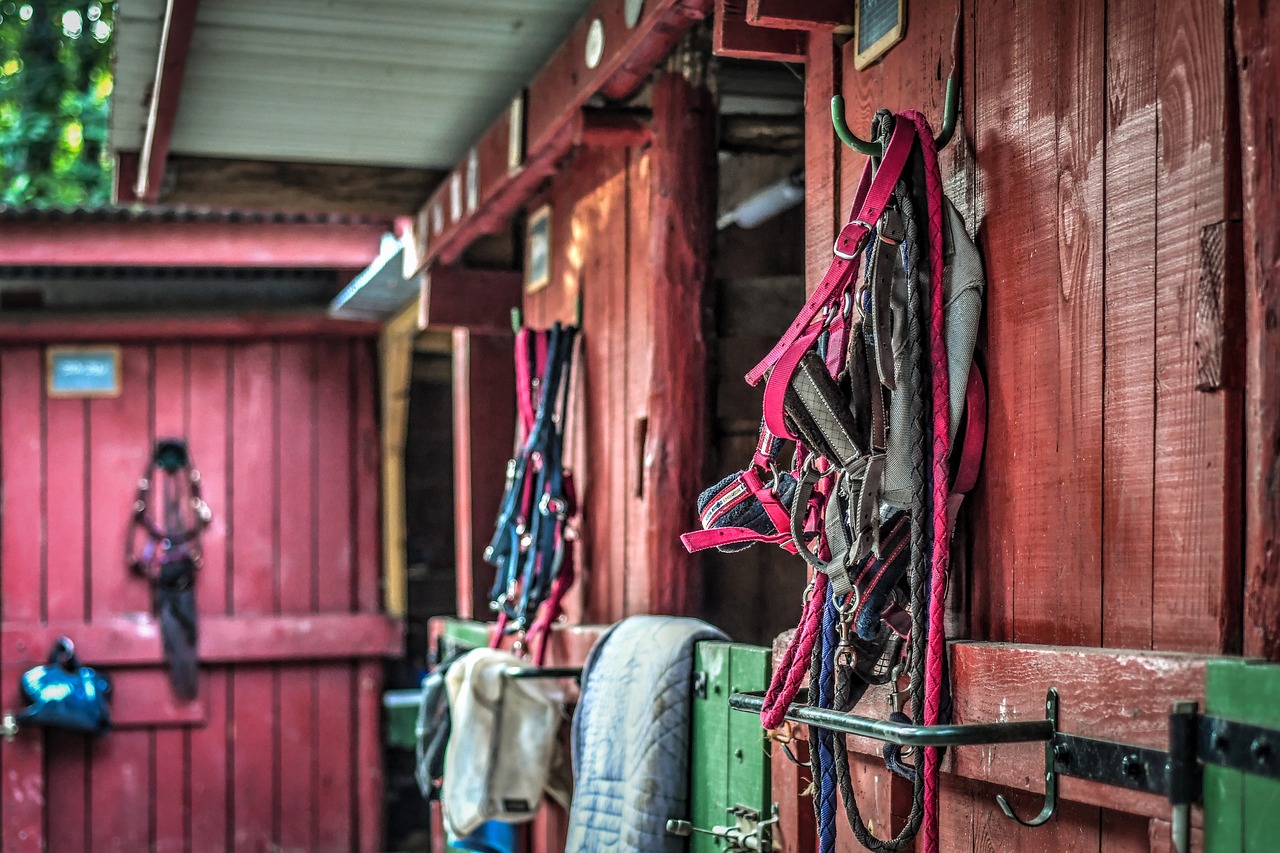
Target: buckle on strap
849,256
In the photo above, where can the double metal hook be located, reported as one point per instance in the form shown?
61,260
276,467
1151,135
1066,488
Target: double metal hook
949,111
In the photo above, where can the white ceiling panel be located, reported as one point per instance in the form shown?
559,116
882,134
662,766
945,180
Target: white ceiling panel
384,82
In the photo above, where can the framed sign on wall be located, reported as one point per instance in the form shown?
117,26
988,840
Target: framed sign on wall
877,26
537,250
82,371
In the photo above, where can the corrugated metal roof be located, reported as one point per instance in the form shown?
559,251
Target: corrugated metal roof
381,82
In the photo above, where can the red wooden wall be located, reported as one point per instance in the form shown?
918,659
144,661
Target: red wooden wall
1098,166
281,750
631,235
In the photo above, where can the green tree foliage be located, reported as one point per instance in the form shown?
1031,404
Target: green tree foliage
55,87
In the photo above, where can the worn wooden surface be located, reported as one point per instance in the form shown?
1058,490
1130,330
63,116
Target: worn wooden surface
1110,484
484,412
281,568
679,252
1257,40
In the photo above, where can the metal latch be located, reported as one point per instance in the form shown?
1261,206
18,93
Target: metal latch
8,727
749,832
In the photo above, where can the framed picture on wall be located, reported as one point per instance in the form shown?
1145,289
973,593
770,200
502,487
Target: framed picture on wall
82,371
537,250
877,26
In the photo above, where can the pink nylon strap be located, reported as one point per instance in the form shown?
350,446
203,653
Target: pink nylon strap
775,389
873,194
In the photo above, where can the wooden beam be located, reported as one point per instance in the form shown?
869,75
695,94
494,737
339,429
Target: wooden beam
800,14
1008,682
166,91
522,148
395,356
135,640
192,243
40,327
683,168
733,36
1257,37
479,300
380,191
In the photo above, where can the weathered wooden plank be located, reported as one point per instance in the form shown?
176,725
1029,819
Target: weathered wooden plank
683,161
207,326
335,735
253,770
367,764
208,432
639,345
997,681
252,513
1044,312
483,424
1197,585
1257,34
209,438
193,243
210,753
169,755
22,429
821,159
120,436
1129,403
366,469
335,568
1123,833
733,36
481,300
135,641
821,15
22,534
296,485
66,758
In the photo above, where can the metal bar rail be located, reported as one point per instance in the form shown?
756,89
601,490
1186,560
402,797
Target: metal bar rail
904,734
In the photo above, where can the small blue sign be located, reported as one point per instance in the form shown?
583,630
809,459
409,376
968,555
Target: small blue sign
84,371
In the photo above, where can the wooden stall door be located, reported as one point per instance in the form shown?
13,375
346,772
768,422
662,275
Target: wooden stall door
281,750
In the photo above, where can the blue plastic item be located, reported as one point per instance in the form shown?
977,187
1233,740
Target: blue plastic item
492,837
62,694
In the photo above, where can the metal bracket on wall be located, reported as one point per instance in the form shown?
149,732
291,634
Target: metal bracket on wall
1194,740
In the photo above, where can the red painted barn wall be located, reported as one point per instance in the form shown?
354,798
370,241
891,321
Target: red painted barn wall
281,756
1096,162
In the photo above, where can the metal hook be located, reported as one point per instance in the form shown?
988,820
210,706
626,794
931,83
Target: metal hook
951,103
1050,771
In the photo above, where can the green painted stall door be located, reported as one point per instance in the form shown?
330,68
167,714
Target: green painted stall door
1241,810
730,767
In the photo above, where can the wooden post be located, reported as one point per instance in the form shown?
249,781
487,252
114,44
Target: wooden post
1257,53
683,205
484,422
395,352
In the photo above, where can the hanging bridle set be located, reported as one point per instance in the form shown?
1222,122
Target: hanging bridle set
872,382
167,553
530,547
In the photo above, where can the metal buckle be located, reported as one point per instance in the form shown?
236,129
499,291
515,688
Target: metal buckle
836,248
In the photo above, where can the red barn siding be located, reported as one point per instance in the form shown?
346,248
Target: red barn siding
277,755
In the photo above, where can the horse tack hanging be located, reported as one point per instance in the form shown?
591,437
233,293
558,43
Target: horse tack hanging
836,384
167,553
